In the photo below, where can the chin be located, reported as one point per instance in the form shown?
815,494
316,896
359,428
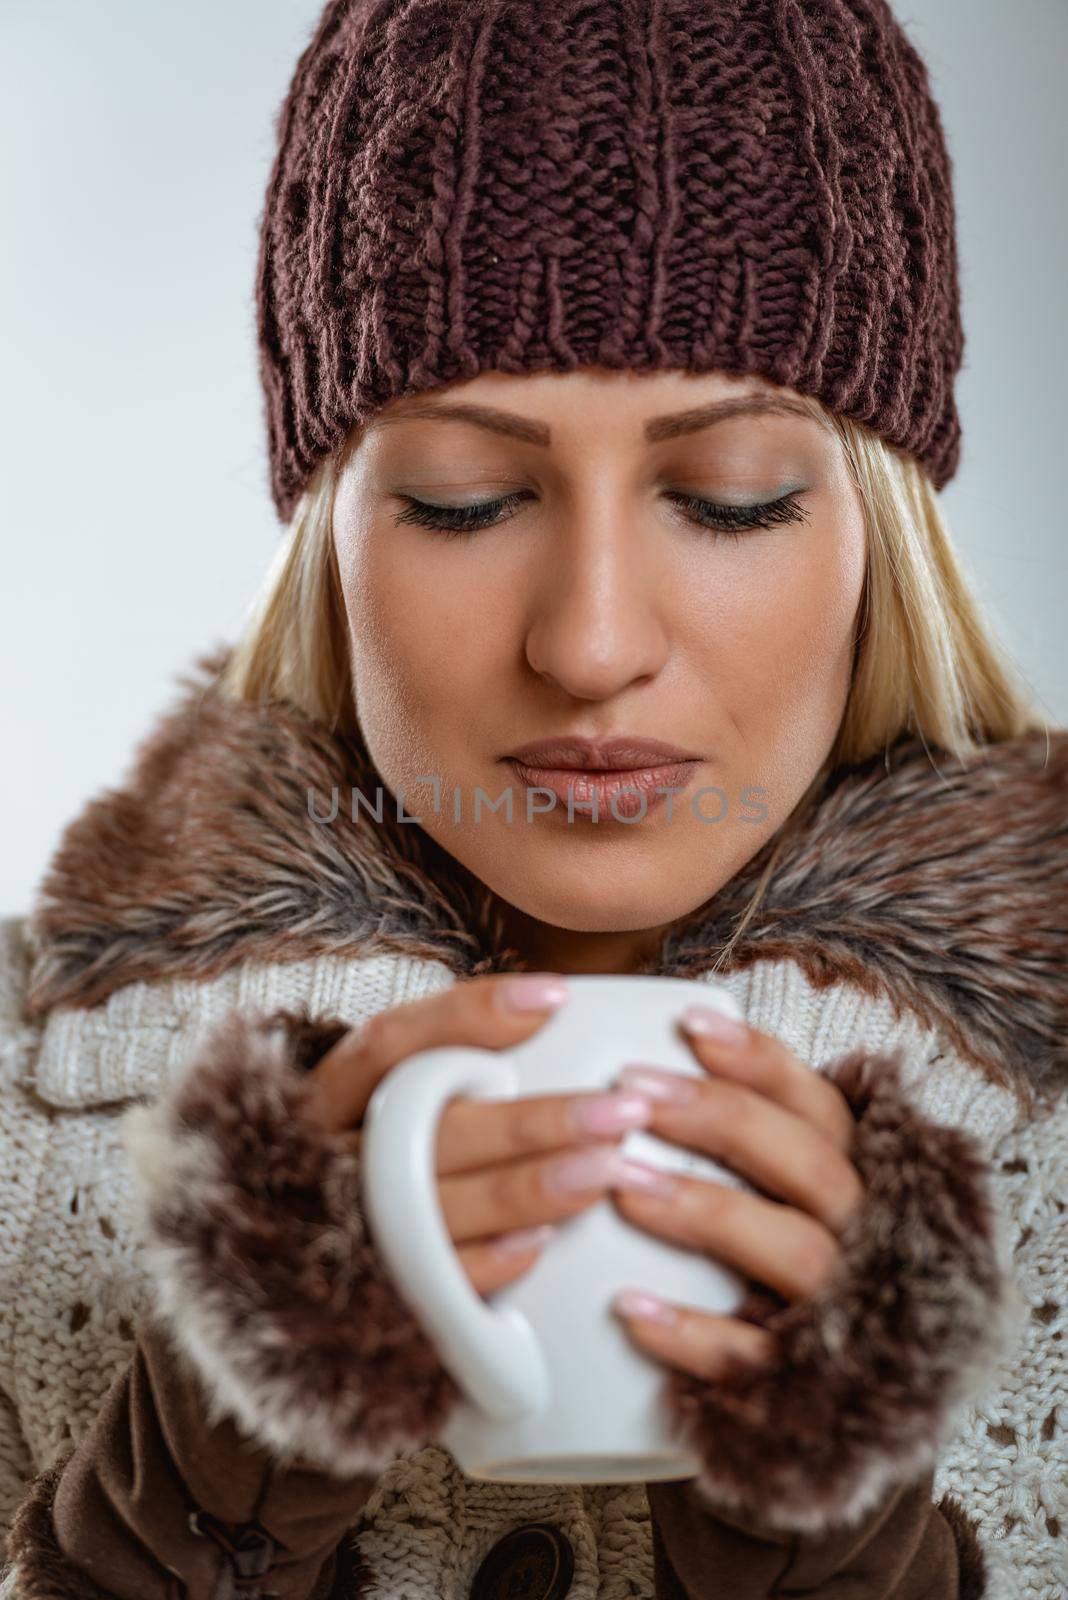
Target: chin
614,899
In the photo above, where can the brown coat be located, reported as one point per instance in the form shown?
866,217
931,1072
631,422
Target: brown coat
178,874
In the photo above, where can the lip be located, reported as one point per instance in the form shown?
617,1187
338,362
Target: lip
625,753
620,793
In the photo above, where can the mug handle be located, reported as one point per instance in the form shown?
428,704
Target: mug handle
492,1353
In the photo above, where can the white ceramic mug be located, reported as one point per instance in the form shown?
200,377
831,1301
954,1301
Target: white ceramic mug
553,1388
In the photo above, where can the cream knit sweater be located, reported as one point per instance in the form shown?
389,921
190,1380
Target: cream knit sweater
72,1284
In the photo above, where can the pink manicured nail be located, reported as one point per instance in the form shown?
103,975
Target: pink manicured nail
707,1023
611,1113
673,1088
640,1303
523,1239
534,991
604,1167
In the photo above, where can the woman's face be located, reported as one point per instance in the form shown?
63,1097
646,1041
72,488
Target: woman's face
609,587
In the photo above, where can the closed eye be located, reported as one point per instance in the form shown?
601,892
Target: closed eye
731,520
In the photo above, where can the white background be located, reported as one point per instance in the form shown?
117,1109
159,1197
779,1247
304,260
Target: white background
137,141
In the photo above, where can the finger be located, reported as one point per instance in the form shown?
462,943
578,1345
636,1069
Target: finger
474,1134
490,1264
774,1244
474,1011
774,1148
523,1194
698,1342
765,1064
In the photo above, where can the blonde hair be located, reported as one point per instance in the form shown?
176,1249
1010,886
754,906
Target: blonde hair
927,660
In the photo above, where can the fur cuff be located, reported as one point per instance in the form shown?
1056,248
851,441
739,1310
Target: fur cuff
263,1265
37,1567
873,1369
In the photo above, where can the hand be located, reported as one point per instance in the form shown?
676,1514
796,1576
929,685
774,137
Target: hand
787,1130
499,1162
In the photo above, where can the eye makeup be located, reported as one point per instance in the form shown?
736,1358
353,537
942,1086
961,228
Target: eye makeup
728,519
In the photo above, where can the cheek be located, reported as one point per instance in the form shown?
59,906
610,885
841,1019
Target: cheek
780,645
412,651
816,612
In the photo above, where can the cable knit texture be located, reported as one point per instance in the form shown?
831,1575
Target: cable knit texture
916,914
755,186
75,1263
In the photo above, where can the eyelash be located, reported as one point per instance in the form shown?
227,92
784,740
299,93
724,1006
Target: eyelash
730,521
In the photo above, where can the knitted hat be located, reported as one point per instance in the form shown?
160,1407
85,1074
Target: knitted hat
751,186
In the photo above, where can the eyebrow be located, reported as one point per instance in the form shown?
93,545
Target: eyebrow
656,428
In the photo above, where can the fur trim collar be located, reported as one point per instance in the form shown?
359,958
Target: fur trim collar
945,888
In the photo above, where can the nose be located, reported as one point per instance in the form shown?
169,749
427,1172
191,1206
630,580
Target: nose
596,626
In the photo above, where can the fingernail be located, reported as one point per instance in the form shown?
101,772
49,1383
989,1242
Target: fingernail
673,1088
611,1113
533,991
523,1239
646,1180
640,1303
708,1023
604,1167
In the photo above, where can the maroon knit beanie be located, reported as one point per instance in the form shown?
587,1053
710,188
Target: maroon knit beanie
750,186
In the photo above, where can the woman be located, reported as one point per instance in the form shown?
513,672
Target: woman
609,356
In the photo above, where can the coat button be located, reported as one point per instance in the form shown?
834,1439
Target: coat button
534,1562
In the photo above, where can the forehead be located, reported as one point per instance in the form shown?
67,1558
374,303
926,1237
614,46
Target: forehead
522,406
